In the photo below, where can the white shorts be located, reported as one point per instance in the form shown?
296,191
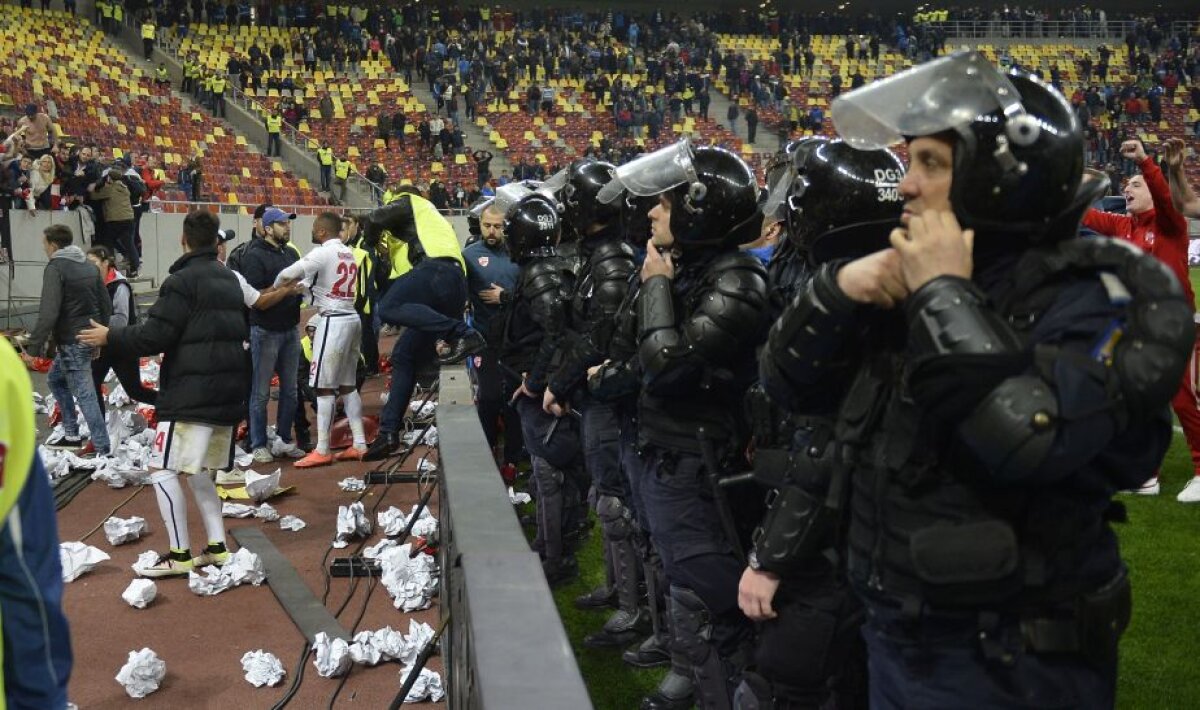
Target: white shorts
336,345
191,448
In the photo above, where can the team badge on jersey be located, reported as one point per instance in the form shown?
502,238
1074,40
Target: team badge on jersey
483,261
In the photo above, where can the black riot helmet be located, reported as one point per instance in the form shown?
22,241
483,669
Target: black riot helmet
1018,147
713,193
473,215
835,186
780,173
578,196
532,227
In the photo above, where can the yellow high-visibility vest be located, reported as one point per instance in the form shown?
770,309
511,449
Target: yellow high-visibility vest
485,13
306,347
325,155
163,74
274,123
106,10
435,233
218,85
118,12
362,257
148,30
342,169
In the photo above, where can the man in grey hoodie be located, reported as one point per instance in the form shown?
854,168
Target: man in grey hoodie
72,296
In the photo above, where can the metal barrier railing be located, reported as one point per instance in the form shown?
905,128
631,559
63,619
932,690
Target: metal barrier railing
506,647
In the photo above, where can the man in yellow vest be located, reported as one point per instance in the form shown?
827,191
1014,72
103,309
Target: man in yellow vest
325,159
218,95
149,31
370,278
36,643
274,123
428,298
162,77
485,18
342,167
118,18
106,16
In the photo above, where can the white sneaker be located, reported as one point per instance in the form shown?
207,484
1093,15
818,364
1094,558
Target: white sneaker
279,447
263,455
1150,488
1190,492
232,477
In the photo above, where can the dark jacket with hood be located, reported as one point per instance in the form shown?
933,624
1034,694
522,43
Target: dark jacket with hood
72,295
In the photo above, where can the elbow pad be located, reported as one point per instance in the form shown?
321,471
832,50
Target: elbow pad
1013,428
807,338
950,316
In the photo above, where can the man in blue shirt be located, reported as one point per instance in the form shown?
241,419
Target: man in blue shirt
491,273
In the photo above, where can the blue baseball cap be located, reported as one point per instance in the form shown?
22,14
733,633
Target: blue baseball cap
273,214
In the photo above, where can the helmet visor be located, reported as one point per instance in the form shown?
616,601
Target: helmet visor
652,173
777,195
556,182
509,195
940,95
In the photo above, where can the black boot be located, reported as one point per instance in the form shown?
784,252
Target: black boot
650,653
385,444
559,572
471,342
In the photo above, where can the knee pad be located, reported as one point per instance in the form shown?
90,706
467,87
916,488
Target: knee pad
614,518
549,478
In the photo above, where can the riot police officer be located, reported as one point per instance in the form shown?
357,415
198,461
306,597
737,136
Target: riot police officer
1004,380
809,646
702,311
606,263
533,325
616,381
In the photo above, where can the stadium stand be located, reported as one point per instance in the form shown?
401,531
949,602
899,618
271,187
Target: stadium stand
102,97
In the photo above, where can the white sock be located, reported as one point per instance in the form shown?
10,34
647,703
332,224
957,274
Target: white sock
173,507
325,406
353,402
209,503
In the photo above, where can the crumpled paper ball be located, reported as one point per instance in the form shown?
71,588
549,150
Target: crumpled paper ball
142,673
262,668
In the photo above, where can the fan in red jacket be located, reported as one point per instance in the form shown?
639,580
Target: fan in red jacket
146,168
1154,225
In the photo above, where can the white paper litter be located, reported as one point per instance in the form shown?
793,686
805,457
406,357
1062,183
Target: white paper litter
260,487
428,438
243,566
424,465
145,560
149,373
428,409
117,396
42,405
140,593
332,656
78,558
142,673
352,522
352,485
419,634
374,551
393,522
292,523
262,668
410,582
373,647
122,530
57,462
236,510
266,512
519,498
241,458
427,687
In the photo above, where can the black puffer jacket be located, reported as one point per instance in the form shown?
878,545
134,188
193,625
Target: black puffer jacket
199,325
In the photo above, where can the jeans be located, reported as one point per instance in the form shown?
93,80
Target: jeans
273,352
939,664
273,145
429,302
70,380
326,177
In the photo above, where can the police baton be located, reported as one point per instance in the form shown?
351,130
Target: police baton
718,492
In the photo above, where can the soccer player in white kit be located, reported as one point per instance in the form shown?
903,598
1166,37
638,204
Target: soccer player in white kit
331,274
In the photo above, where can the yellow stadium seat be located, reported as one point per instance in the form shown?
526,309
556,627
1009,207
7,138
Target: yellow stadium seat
436,168
460,159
